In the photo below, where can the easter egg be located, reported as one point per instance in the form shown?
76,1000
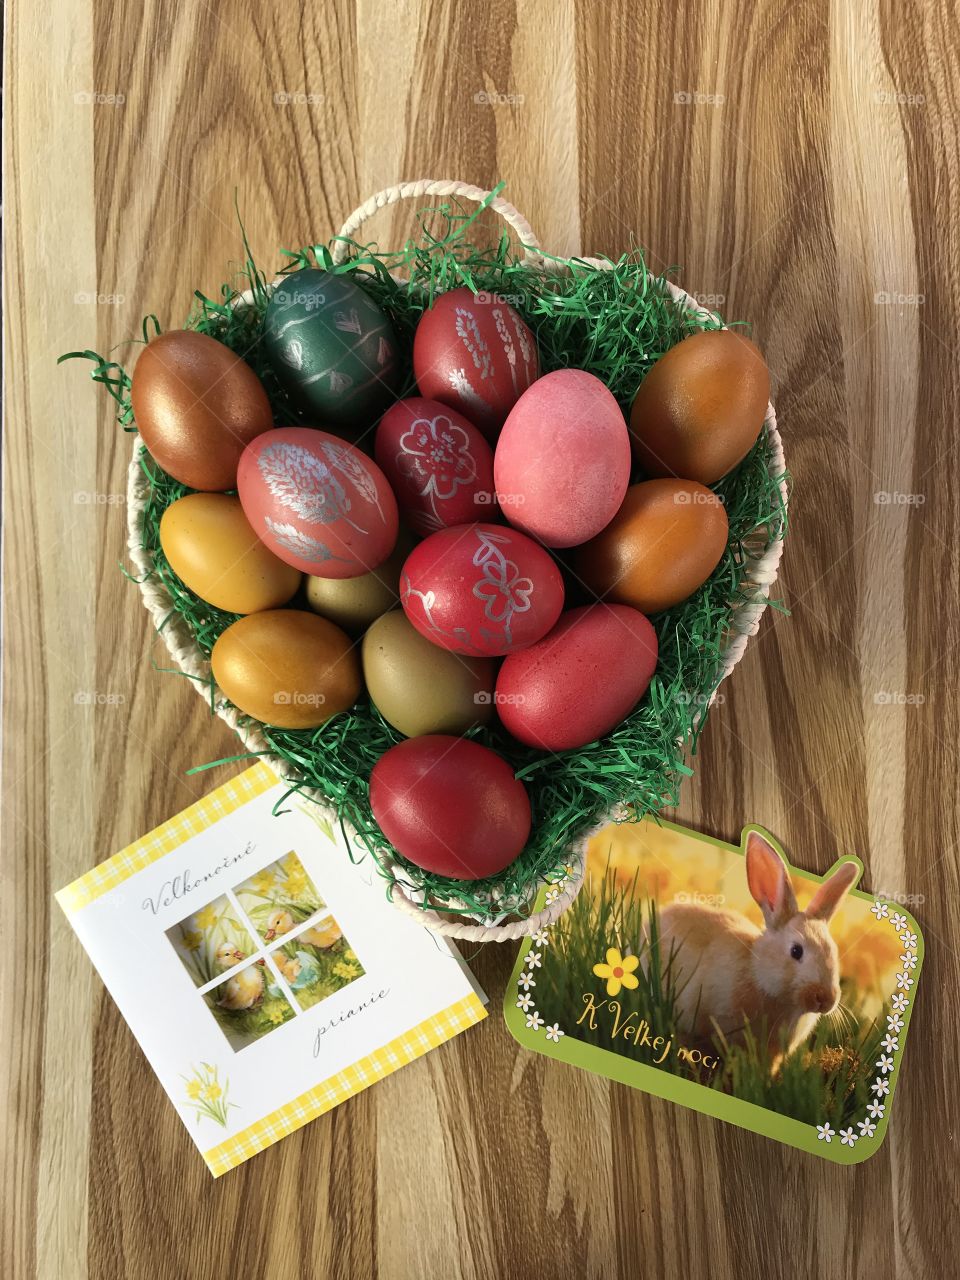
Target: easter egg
439,464
317,502
287,668
581,680
700,408
562,463
419,688
213,550
353,603
450,806
197,405
663,543
332,347
481,589
473,352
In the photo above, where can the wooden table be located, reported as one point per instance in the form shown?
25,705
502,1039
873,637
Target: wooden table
799,162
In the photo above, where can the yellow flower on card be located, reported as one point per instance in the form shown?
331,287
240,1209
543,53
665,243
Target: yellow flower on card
212,1092
206,919
193,1088
275,1012
192,940
262,883
618,971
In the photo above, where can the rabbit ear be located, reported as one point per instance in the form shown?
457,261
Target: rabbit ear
827,898
769,883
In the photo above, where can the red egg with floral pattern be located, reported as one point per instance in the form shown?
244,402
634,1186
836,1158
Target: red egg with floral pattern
473,352
481,589
317,502
440,466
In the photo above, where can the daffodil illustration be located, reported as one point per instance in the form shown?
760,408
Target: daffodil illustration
618,971
212,1092
206,919
194,1088
262,883
192,940
205,1094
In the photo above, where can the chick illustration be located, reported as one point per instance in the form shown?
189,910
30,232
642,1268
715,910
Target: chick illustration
243,989
322,935
278,923
227,955
289,966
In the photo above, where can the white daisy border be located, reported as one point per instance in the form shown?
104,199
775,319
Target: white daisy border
900,1001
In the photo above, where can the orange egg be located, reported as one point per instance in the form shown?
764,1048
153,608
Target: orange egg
213,550
700,408
287,668
663,543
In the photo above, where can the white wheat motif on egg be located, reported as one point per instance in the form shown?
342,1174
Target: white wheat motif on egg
298,479
300,544
355,472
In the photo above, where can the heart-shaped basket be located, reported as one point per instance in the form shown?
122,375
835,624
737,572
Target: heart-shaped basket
494,918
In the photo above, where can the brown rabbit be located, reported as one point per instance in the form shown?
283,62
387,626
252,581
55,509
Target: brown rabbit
728,973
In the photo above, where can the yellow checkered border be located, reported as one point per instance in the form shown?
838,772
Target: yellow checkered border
345,1084
164,839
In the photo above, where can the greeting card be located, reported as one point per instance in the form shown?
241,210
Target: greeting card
265,975
728,981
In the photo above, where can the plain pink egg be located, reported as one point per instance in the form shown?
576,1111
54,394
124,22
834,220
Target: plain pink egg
481,589
317,502
439,464
580,681
562,463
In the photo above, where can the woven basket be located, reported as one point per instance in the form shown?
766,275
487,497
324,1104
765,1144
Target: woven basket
186,654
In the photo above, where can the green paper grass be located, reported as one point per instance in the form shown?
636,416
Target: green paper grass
614,323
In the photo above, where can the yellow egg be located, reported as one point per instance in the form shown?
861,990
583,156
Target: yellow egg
213,550
287,667
353,603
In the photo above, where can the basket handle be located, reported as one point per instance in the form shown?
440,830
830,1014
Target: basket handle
437,187
492,932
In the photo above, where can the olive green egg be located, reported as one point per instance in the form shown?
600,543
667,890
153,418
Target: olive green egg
420,688
353,603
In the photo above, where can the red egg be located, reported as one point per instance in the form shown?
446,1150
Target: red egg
472,352
581,680
317,502
439,464
562,463
450,806
481,589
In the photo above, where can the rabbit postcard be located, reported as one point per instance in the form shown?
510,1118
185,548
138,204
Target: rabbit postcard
265,975
726,980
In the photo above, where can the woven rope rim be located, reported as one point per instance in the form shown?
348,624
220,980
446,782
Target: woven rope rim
183,649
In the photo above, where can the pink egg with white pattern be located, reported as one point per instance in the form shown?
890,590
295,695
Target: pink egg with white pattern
317,502
562,463
440,466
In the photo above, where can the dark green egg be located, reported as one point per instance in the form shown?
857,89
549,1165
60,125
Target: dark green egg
332,347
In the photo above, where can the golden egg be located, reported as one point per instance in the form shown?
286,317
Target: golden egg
353,603
420,688
214,551
700,408
287,667
660,547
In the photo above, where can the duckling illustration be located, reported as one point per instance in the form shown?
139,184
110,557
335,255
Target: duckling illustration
227,955
278,923
243,990
289,966
322,935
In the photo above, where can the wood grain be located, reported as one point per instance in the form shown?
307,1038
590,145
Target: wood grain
796,161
